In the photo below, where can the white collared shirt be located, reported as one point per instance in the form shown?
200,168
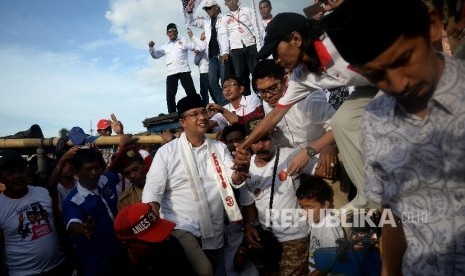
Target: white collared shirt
304,82
204,61
221,30
247,105
167,184
176,53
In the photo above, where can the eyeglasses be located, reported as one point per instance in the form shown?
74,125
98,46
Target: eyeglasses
229,84
207,9
195,115
271,90
172,31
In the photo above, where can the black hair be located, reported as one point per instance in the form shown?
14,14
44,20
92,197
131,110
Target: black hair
313,31
265,1
353,24
10,159
231,128
171,26
267,68
312,187
87,155
234,77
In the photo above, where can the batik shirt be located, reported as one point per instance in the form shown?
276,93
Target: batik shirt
417,167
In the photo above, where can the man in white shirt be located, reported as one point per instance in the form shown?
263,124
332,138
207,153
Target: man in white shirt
190,184
307,123
243,38
240,109
217,44
298,46
28,236
269,197
177,64
239,104
265,11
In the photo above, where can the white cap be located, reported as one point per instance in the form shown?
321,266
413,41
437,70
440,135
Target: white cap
210,3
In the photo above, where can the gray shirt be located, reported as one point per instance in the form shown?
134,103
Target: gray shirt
417,167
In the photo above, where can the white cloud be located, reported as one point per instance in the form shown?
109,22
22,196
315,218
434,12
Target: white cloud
138,22
99,44
69,91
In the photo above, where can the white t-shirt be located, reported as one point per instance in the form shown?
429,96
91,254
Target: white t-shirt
31,241
289,225
337,74
62,194
307,120
322,235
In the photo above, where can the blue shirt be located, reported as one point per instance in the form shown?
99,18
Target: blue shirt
97,255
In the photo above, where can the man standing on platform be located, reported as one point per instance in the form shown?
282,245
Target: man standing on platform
177,64
216,35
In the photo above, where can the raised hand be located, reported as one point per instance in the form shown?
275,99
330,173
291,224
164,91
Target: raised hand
116,125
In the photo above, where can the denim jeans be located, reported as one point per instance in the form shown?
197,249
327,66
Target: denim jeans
205,88
244,61
217,72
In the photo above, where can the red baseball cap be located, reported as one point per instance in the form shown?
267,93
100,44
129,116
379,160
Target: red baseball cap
103,124
139,221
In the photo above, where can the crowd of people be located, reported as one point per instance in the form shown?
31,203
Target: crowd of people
298,103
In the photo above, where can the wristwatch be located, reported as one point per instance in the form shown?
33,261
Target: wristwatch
311,151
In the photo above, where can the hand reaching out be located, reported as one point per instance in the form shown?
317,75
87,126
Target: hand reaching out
327,163
241,164
126,140
214,107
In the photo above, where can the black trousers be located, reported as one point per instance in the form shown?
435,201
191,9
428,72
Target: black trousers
244,62
172,88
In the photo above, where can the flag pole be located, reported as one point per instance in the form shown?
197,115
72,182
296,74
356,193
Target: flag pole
259,26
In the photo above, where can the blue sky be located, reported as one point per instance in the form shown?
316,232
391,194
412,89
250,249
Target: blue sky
70,63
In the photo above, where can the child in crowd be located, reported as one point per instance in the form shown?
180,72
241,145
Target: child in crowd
315,197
